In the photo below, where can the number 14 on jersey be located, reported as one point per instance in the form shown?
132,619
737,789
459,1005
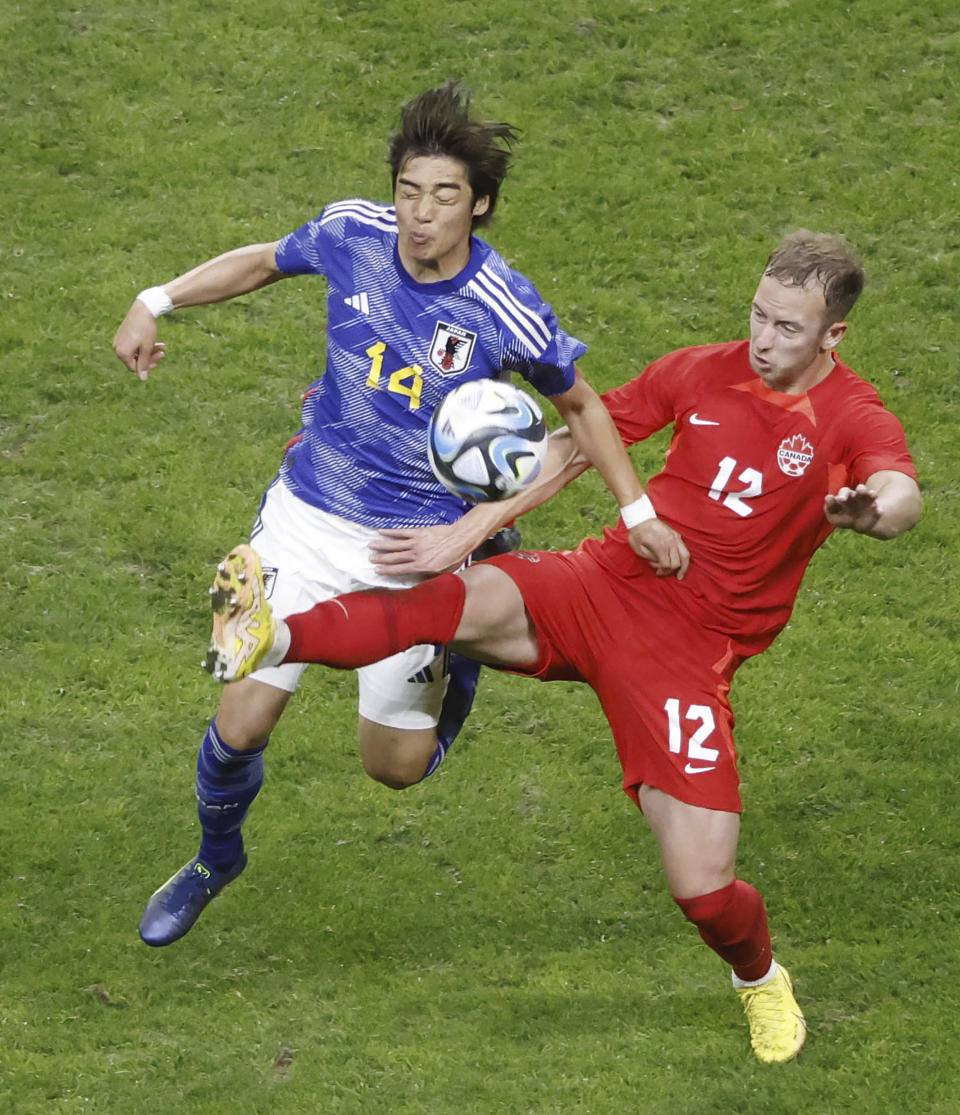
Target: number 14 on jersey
404,381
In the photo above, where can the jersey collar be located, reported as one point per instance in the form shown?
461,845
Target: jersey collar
479,250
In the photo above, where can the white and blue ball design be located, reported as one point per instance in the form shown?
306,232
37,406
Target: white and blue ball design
487,440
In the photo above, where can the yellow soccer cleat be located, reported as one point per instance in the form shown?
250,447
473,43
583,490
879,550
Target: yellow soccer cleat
777,1025
243,624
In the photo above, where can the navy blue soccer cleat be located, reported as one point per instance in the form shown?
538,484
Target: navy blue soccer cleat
174,908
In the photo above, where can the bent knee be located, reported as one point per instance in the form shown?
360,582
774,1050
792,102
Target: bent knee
393,772
395,757
248,713
241,735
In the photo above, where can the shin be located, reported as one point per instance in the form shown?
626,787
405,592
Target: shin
364,627
733,922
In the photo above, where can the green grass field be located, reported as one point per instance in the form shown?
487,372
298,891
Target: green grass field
497,941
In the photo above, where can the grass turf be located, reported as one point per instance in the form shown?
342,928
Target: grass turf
499,939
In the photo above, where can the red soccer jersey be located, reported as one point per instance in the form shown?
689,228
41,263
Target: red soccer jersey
745,477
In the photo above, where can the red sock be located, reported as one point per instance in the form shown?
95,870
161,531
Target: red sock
733,922
363,627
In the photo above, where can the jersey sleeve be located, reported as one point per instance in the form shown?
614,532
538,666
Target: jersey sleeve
877,443
647,403
534,345
555,370
305,250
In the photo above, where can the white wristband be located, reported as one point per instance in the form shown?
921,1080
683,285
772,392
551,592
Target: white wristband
637,512
156,299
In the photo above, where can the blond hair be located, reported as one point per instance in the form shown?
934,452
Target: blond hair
821,257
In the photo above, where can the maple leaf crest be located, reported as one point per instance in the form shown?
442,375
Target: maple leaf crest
795,455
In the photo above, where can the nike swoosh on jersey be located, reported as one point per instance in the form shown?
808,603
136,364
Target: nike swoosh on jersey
691,769
696,420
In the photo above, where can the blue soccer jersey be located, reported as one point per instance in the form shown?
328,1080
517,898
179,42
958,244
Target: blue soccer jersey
395,348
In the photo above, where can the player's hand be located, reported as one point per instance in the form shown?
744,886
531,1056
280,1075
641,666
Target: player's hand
662,547
136,341
428,551
853,509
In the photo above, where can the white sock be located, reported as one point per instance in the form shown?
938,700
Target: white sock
738,982
281,644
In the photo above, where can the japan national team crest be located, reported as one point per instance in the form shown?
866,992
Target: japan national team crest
451,348
795,455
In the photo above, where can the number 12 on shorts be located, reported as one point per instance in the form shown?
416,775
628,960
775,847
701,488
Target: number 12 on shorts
696,752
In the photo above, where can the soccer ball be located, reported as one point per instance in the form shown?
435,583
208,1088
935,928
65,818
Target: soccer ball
487,440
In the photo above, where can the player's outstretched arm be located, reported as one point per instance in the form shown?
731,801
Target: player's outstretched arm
441,549
888,504
226,276
596,436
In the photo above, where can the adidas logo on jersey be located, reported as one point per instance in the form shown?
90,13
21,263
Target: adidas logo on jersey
358,302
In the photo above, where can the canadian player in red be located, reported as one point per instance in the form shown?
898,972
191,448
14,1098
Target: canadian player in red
776,443
747,471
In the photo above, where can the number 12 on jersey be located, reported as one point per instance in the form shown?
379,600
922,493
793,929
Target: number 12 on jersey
736,501
703,714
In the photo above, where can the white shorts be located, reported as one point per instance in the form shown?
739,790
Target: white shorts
310,556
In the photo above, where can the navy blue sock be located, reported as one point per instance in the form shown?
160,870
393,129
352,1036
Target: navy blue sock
227,782
457,702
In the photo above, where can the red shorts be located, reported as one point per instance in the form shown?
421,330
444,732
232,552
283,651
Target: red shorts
662,679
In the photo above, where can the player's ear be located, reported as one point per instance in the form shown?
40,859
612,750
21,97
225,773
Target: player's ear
481,205
834,335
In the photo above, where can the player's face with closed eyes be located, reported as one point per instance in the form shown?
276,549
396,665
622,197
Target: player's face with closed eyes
435,210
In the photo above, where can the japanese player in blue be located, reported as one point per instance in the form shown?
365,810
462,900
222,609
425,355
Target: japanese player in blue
416,304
